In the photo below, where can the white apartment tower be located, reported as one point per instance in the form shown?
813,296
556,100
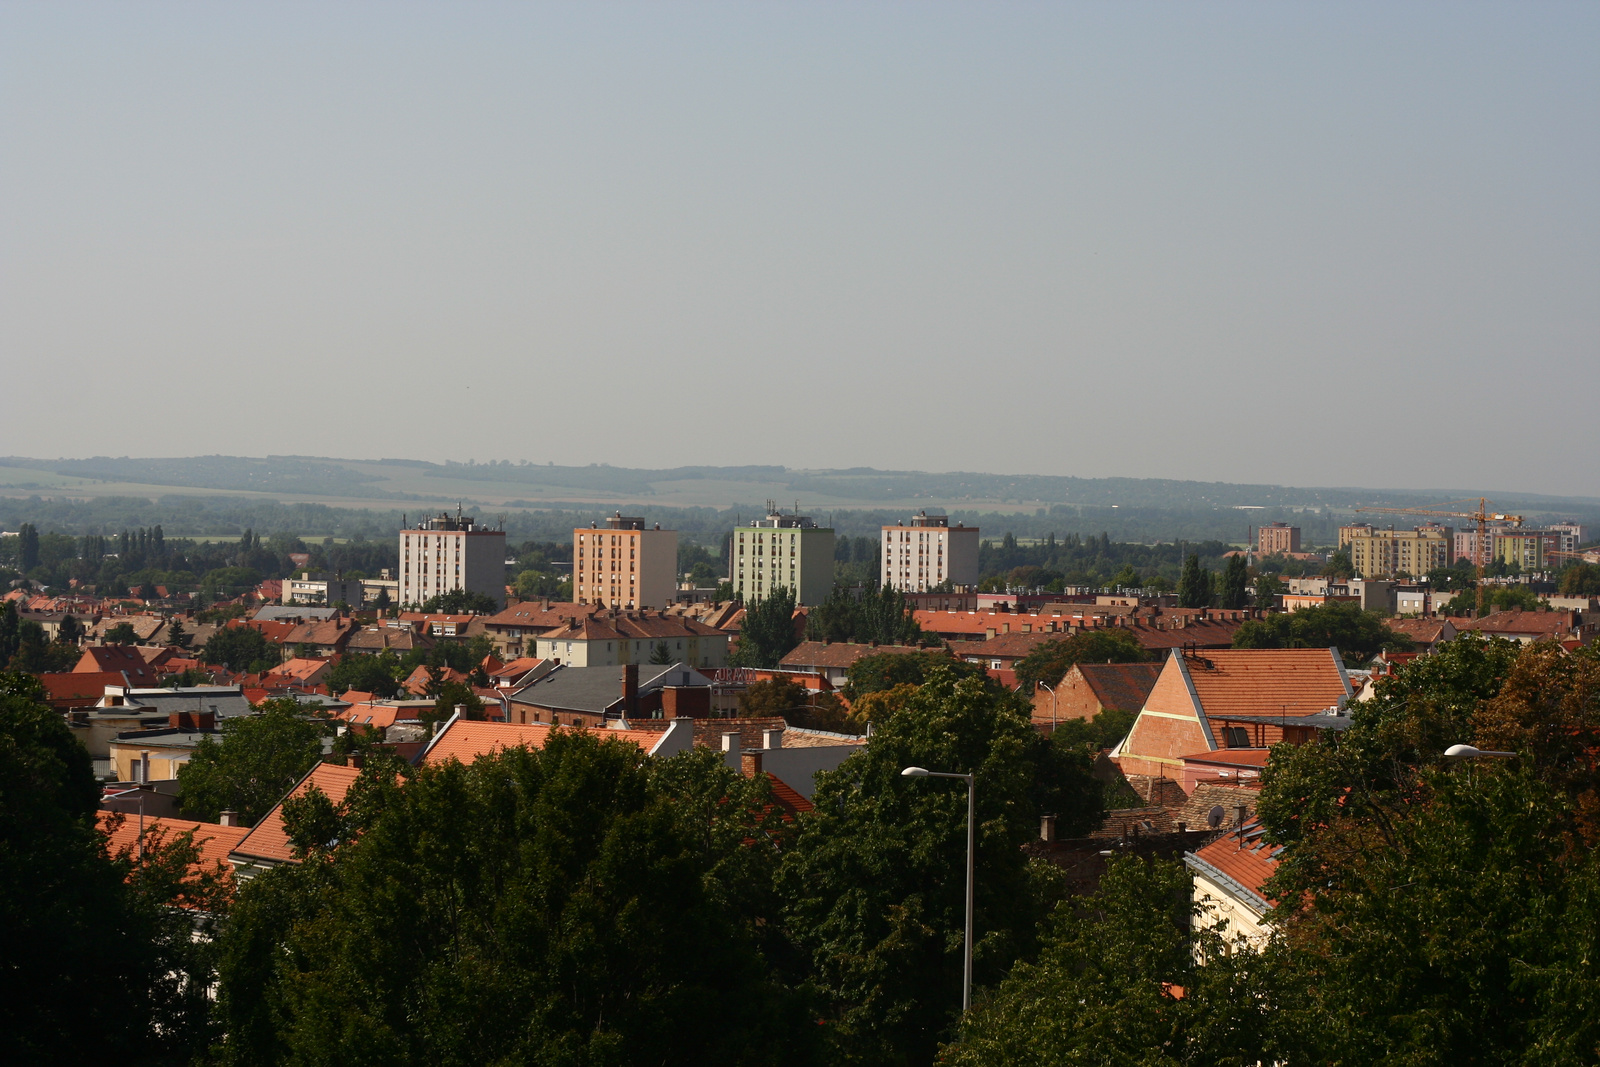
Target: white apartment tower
445,553
624,565
927,551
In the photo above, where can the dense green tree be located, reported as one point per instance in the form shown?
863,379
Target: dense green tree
1268,590
1117,981
1339,566
257,759
886,670
1580,579
373,674
661,655
461,602
96,965
880,615
1049,662
1235,591
453,695
240,648
36,655
10,630
1105,730
875,885
120,634
1358,635
1194,587
768,631
1392,852
583,904
1454,578
27,547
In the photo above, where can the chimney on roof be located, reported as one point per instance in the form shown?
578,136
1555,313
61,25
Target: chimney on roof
750,763
228,818
630,690
1047,828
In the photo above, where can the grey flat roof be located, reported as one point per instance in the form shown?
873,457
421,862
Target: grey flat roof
226,701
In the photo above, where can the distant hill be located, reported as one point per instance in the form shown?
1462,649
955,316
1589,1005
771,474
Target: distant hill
336,497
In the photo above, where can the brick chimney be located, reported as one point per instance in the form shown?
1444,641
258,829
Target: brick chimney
630,689
750,764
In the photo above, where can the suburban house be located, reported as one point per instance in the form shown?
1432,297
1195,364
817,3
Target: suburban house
589,696
514,628
1229,876
1090,688
1426,633
634,637
1530,626
147,755
833,659
1231,699
120,660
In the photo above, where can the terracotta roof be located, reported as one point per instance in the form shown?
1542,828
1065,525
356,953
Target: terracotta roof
378,638
538,614
639,626
1422,631
213,840
111,659
1243,858
302,669
1124,686
840,654
1540,623
75,690
785,796
466,740
268,840
1267,681
516,669
276,632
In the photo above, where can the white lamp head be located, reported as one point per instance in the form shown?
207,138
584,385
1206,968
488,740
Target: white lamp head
914,772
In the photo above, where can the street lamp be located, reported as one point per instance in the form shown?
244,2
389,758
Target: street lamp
1468,752
971,780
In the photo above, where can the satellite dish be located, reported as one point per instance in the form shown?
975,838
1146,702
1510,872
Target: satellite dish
1215,816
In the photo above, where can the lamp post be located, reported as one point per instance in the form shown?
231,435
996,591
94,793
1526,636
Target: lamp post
971,780
1052,707
1457,752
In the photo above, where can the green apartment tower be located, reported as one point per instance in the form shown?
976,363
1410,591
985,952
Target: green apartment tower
788,550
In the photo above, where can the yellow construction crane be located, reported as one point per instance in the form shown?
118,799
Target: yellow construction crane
1483,517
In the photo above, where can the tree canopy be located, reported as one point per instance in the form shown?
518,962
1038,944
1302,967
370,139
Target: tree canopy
583,904
880,615
258,759
886,670
768,631
240,648
1052,660
1358,635
461,602
874,885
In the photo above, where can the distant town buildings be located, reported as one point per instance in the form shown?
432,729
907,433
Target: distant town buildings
446,553
624,565
925,552
1277,538
782,550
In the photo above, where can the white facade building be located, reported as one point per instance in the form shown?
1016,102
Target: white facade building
927,551
444,553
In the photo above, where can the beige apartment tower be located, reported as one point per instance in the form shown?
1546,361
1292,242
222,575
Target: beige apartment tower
445,553
781,550
1276,537
624,565
927,551
1386,553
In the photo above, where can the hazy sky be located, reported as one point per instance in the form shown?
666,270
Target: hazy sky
1295,243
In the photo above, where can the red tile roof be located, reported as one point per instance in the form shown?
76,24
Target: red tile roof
840,654
213,841
1124,686
109,659
1523,623
466,740
78,690
268,840
1267,681
1243,857
786,797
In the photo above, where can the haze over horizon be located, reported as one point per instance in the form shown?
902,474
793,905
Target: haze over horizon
1319,245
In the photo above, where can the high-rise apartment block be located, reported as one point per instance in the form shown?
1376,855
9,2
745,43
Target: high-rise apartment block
1386,553
926,551
624,565
445,553
781,550
1277,537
